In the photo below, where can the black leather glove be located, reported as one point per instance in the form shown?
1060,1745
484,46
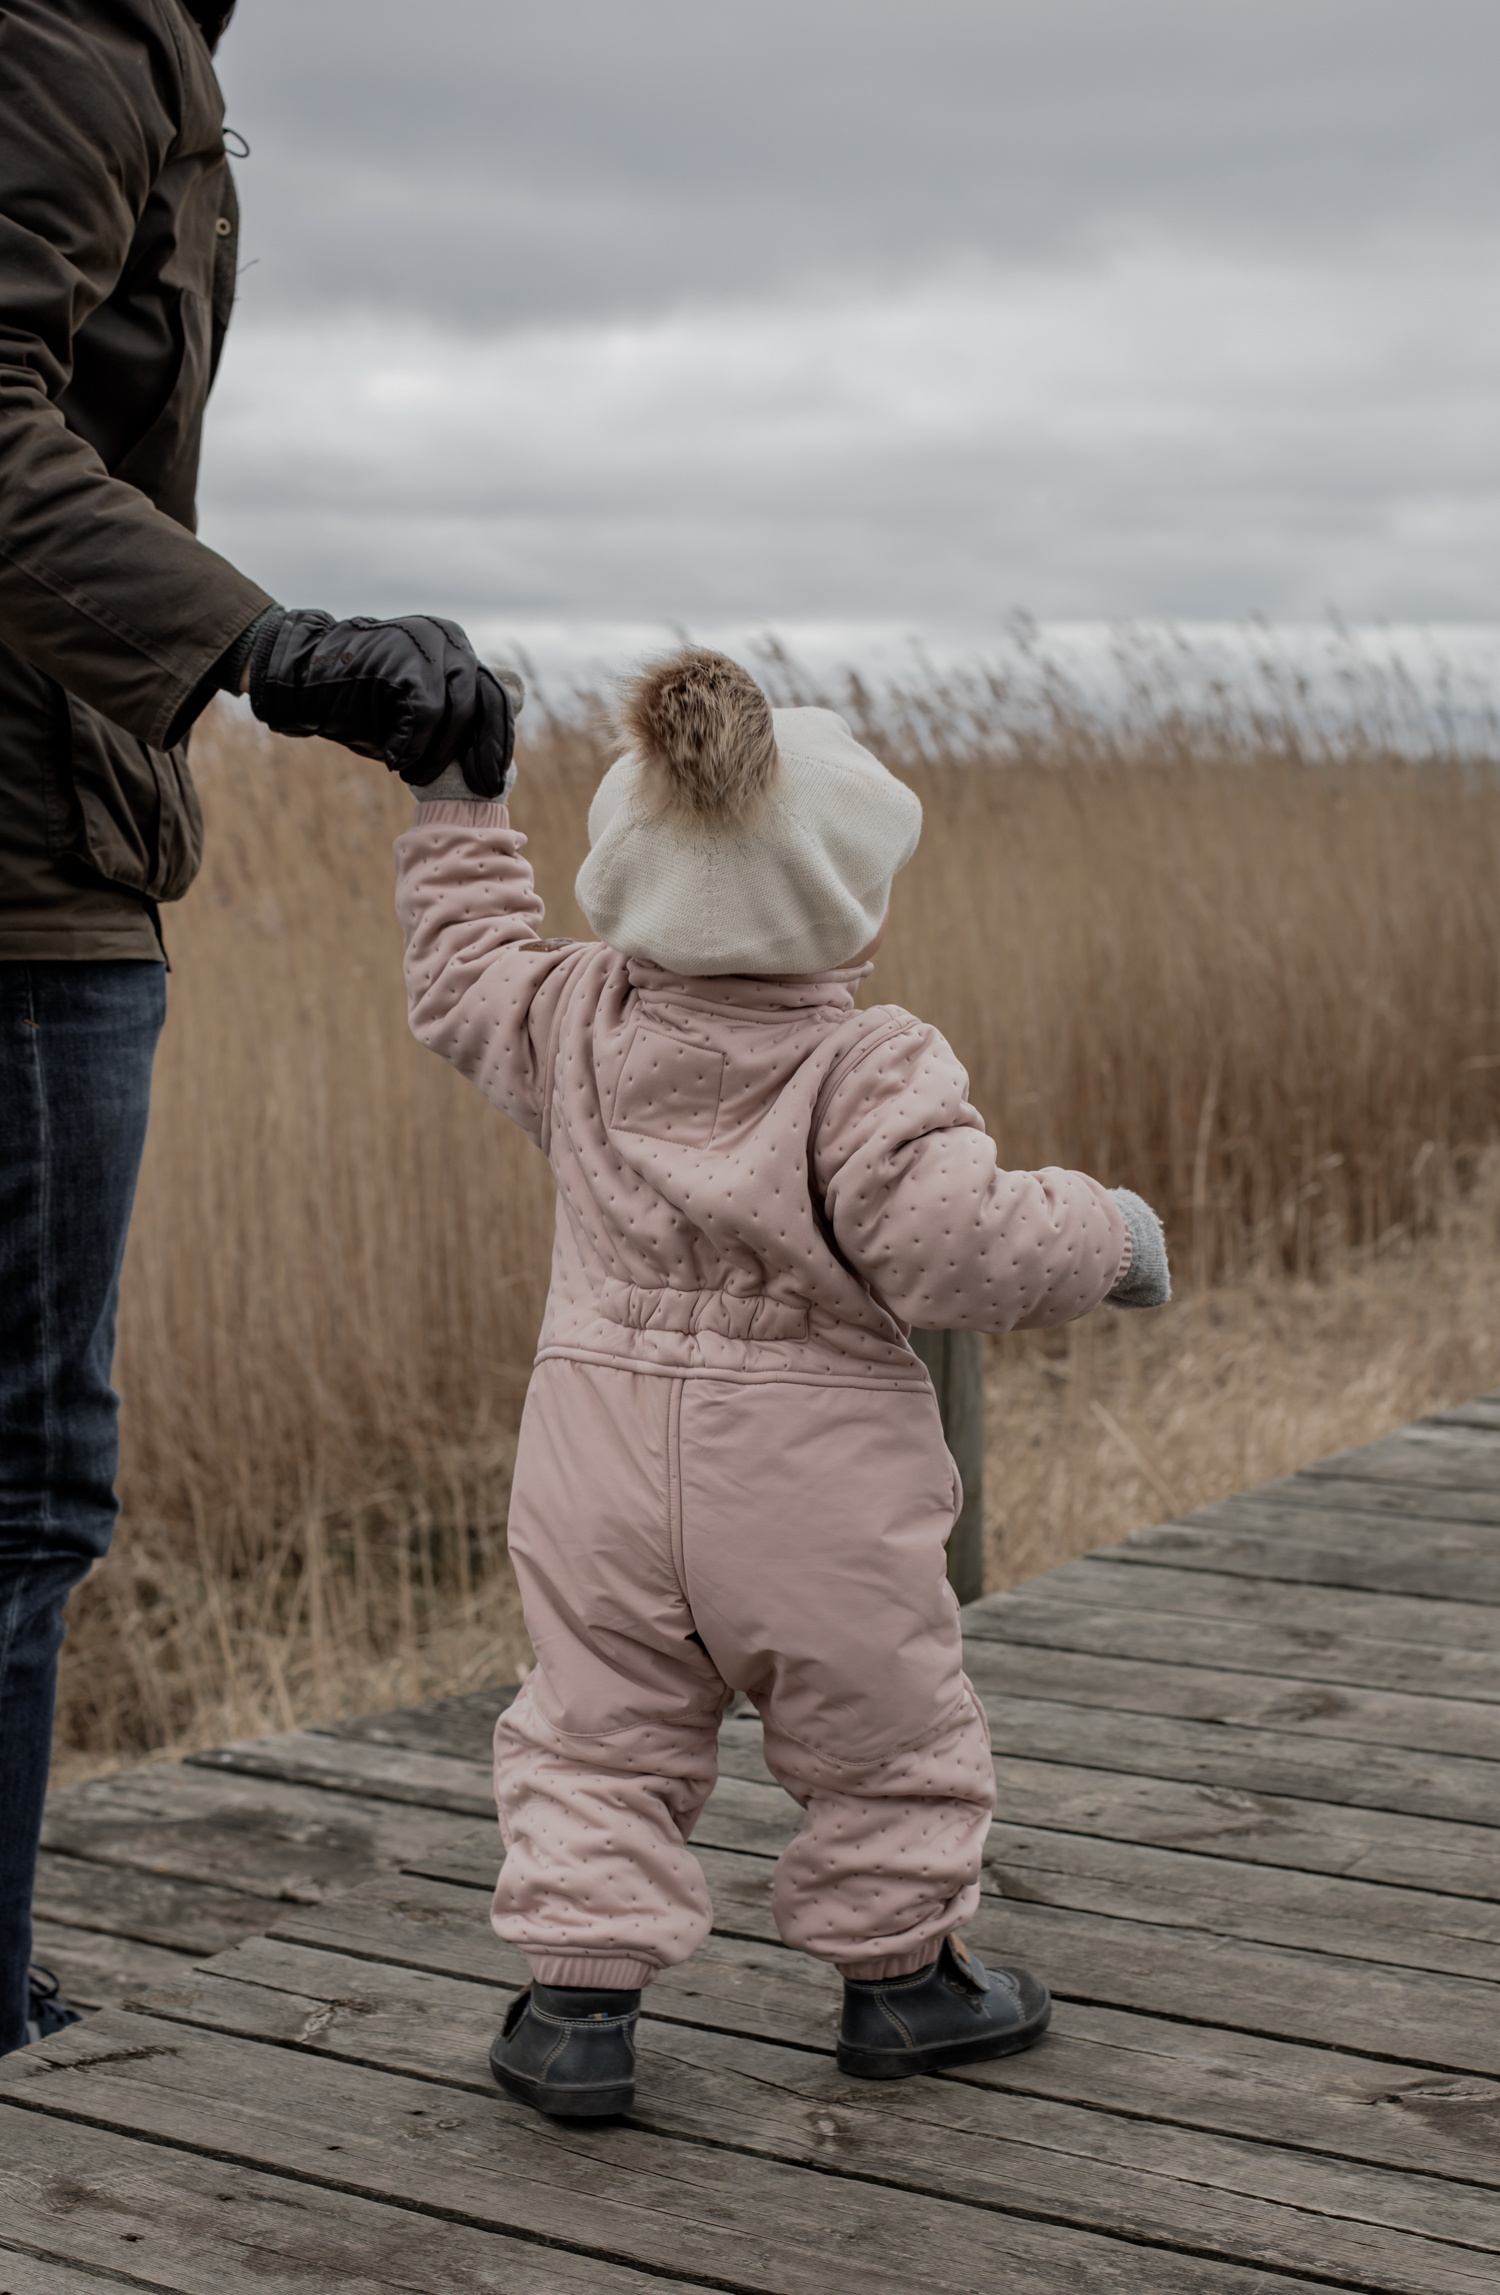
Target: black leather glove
412,692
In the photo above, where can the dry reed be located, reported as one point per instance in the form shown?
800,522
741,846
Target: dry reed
1125,1419
1259,985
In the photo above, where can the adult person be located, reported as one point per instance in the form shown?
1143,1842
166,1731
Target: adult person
118,232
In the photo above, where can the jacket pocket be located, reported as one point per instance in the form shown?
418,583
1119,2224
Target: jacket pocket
668,1090
121,812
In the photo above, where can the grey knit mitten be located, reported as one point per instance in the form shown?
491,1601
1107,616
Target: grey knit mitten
450,783
1147,1281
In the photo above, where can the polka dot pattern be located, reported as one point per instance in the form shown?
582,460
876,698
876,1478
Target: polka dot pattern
753,1176
758,1188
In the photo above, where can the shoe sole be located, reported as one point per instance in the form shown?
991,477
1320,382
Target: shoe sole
566,2103
907,2063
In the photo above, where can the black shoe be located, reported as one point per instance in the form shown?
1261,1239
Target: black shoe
569,2051
955,2012
46,2010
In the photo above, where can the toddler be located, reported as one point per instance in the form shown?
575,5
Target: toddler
731,1474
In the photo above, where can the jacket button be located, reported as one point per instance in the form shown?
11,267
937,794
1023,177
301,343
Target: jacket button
223,227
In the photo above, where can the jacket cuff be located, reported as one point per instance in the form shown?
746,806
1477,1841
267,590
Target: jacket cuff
889,1965
602,1972
450,788
465,812
232,663
1146,1280
224,677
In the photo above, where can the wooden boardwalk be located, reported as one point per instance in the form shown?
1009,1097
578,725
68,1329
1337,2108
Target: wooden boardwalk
1249,1831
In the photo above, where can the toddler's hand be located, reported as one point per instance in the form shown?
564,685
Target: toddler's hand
453,780
411,692
1147,1281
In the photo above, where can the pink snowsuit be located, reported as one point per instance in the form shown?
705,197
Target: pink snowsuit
731,1473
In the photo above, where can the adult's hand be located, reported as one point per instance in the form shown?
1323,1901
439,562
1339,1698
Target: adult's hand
411,692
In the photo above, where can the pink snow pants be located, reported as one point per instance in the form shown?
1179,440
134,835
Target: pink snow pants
678,1539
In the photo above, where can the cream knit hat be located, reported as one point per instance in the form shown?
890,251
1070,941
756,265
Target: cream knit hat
732,837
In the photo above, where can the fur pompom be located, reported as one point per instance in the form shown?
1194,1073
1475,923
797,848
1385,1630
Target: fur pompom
702,729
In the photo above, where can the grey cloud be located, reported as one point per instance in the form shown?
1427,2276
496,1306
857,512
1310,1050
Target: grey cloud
1227,345
1314,501
479,162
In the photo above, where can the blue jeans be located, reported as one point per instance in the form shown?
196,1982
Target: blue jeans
76,1046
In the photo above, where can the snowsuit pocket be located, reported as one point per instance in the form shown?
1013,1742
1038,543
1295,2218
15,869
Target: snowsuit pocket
669,1089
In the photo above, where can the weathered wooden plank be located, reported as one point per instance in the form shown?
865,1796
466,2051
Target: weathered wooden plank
1406,1927
1375,1495
1312,1879
1344,2106
1473,1436
1409,1852
1302,1911
1413,1504
1451,1563
376,1771
355,1765
1417,2018
186,1916
1288,1833
1339,2102
382,1772
462,1788
1380,1722
22,2274
742,2221
1483,1414
742,1752
150,2217
1303,1835
1203,1751
1339,1615
749,1985
1418,1458
742,1815
97,1970
461,1726
1426,1873
290,1843
1158,1637
1252,2202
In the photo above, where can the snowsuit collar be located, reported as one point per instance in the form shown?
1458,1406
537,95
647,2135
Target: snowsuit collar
744,996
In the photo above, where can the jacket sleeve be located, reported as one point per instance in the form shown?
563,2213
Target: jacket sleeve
98,589
921,1210
482,989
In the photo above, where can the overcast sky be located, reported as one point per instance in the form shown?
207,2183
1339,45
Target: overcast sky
601,315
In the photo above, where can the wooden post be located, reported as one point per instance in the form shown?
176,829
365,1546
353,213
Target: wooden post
955,1363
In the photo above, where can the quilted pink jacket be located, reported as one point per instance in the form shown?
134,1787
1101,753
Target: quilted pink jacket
754,1179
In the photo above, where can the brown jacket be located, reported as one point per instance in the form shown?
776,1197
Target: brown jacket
118,231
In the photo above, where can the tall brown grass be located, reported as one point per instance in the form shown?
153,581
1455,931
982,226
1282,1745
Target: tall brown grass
1255,976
